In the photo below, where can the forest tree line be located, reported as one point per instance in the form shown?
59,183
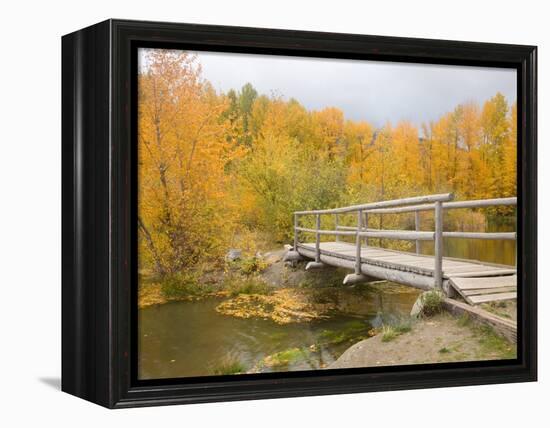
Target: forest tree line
220,170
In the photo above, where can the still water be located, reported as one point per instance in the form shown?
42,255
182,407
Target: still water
486,250
183,339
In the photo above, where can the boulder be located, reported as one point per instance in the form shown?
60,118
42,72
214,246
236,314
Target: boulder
418,306
233,254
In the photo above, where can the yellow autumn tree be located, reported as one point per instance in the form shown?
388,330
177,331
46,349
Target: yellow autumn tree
358,149
406,151
182,153
495,132
287,168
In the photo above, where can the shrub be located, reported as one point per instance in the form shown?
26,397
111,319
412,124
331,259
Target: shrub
238,284
247,265
432,303
182,284
252,265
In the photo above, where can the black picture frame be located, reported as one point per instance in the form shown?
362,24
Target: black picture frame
99,291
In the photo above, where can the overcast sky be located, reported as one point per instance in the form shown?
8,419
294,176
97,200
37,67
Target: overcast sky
365,90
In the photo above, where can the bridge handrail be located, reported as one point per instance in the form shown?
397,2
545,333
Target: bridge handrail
348,231
414,204
479,203
383,204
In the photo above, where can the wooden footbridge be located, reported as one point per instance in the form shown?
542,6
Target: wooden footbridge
475,281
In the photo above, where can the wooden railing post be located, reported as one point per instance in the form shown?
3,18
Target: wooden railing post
358,243
380,227
438,244
336,226
366,224
296,232
417,228
318,239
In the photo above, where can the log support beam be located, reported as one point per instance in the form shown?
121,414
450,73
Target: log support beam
292,256
314,265
353,278
406,278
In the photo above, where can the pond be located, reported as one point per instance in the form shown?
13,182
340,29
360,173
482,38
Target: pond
182,339
485,250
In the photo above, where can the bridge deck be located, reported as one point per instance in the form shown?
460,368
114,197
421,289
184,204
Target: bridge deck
454,270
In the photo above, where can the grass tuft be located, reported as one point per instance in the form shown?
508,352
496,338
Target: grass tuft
228,366
389,333
402,325
396,328
432,303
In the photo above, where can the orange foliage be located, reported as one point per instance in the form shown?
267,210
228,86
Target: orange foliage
216,167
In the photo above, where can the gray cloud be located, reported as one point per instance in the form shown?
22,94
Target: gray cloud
365,90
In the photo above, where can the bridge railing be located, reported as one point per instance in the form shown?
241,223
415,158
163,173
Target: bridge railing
437,203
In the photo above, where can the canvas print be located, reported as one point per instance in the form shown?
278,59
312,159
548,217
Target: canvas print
303,214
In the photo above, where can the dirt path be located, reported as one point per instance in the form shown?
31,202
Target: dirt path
442,338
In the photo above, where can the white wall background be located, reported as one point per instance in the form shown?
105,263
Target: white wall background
30,212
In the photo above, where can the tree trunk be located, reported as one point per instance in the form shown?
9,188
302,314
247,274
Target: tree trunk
149,239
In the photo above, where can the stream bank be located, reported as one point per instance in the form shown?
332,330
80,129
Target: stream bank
439,339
